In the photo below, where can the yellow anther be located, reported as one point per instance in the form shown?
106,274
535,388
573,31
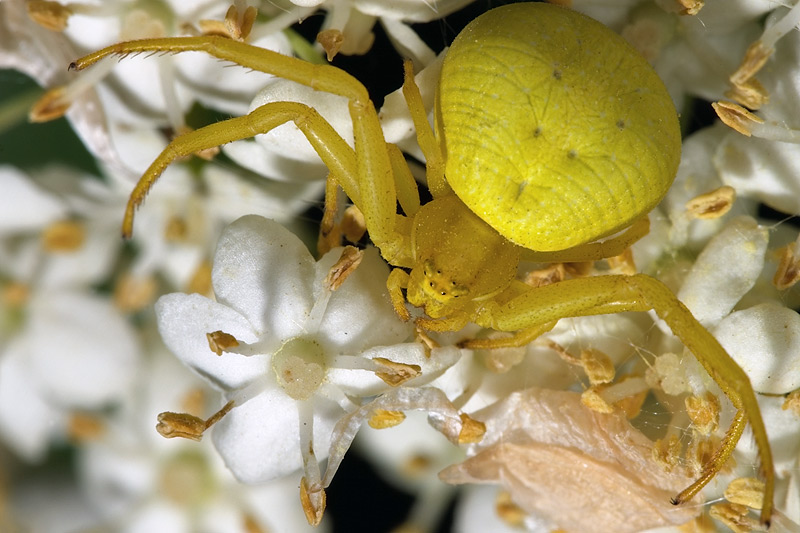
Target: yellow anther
598,366
382,419
186,426
219,341
750,94
343,268
331,41
704,413
792,402
592,399
754,58
736,117
546,276
712,204
313,501
83,427
667,452
746,491
471,430
508,511
200,282
64,236
395,374
734,516
788,272
134,293
51,15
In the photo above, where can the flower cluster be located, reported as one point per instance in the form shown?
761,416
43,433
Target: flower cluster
217,325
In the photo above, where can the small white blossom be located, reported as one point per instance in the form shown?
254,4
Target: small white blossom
302,354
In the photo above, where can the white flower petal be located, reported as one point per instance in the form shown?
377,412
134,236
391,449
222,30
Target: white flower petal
231,197
476,512
265,272
217,84
253,156
260,439
24,206
712,288
185,319
287,139
410,10
27,422
359,314
765,341
83,351
158,515
761,169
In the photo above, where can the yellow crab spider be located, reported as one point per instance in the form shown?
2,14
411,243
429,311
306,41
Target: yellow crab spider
553,134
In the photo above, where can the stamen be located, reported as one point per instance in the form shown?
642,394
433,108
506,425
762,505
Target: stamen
746,491
736,117
14,295
690,7
83,427
788,272
331,41
734,516
760,51
55,102
667,452
312,493
472,430
64,236
792,402
200,281
347,264
219,341
703,412
508,511
441,415
134,293
382,419
395,374
184,425
712,204
50,15
750,124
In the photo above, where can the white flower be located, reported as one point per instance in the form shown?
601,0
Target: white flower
75,352
304,352
138,481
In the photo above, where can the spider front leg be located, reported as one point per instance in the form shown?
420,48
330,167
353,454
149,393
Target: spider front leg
366,177
613,294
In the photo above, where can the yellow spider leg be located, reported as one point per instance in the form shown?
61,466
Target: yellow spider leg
376,192
614,294
520,338
434,160
397,281
593,251
407,192
333,150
